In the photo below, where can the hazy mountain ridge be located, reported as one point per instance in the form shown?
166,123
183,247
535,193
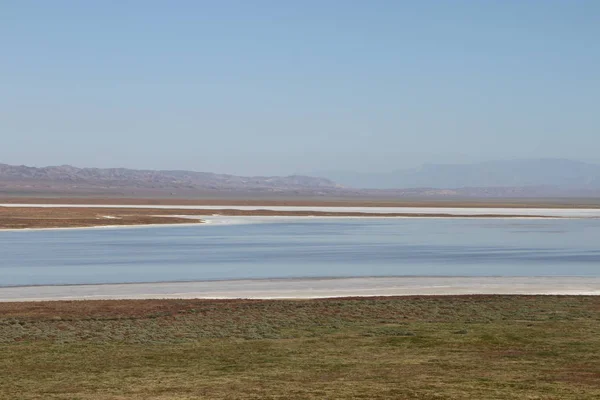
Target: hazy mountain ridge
123,177
486,180
557,173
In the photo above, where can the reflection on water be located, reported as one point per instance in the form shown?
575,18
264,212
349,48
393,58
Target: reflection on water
310,248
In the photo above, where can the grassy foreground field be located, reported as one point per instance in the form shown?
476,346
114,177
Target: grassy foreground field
455,347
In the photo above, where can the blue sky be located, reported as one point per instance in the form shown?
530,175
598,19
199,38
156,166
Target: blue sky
277,87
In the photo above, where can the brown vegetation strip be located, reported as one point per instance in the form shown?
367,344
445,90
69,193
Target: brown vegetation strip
21,218
420,306
31,217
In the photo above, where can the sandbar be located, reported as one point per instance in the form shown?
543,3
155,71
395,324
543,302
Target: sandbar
305,288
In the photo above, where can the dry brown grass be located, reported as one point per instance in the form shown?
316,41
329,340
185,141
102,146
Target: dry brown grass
455,347
20,218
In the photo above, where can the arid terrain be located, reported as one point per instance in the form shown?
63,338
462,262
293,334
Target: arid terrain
26,218
70,217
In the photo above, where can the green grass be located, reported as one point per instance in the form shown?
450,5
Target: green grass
455,347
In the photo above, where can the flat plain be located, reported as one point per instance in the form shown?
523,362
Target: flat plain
78,216
34,217
411,347
419,347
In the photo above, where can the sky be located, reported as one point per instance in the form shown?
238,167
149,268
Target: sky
254,87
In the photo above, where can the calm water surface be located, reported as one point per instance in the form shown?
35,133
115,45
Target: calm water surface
308,248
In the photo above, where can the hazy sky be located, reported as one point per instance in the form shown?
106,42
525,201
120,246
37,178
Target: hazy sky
277,87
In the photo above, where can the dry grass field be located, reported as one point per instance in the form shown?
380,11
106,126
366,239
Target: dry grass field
22,218
445,347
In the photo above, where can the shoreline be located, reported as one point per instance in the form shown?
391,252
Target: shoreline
291,218
20,217
124,226
307,279
310,288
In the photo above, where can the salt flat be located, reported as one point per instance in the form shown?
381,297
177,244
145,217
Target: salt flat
310,288
546,212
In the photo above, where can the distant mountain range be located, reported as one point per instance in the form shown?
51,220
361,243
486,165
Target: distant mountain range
498,179
66,176
557,173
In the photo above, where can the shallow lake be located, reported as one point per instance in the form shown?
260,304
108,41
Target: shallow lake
310,247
